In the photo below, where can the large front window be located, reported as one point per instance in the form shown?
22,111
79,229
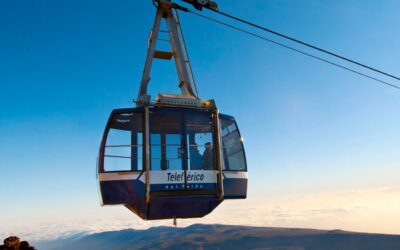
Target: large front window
181,140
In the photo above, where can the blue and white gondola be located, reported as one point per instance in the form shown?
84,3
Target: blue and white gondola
150,169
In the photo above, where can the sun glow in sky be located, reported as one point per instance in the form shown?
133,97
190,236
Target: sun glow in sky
322,144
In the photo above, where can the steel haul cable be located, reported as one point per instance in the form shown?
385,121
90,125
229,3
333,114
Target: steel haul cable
294,40
307,44
298,51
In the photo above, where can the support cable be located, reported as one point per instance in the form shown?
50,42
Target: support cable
303,52
305,44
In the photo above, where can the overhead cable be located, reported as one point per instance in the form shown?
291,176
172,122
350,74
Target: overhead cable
297,50
306,44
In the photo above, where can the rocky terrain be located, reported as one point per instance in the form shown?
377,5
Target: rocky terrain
14,243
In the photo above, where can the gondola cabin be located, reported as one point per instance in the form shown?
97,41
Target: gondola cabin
163,162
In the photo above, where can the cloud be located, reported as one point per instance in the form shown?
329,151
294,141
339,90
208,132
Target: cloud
366,210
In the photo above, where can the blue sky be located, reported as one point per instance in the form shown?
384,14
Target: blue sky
308,127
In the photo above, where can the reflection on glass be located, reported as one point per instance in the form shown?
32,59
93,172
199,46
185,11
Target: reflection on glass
195,157
233,152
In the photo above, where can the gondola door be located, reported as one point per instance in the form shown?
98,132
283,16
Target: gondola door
181,151
167,151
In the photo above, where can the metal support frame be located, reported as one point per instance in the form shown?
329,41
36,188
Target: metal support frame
178,50
147,152
218,153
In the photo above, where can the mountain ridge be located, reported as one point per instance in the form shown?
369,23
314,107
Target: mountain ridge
218,236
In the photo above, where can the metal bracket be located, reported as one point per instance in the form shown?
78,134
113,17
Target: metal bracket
178,51
219,155
200,4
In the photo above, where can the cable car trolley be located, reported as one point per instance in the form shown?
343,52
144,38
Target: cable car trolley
177,156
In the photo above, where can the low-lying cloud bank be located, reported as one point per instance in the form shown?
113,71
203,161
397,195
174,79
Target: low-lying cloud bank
368,210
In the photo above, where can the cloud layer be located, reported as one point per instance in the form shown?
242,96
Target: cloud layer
368,210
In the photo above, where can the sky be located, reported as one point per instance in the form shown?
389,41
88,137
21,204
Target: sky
322,144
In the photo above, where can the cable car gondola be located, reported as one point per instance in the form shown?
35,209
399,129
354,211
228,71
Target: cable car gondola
176,157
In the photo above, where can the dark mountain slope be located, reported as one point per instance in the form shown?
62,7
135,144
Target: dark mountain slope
227,237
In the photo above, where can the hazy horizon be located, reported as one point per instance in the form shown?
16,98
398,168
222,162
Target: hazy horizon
374,210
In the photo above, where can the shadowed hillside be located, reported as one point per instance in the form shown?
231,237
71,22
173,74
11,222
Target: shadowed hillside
227,237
